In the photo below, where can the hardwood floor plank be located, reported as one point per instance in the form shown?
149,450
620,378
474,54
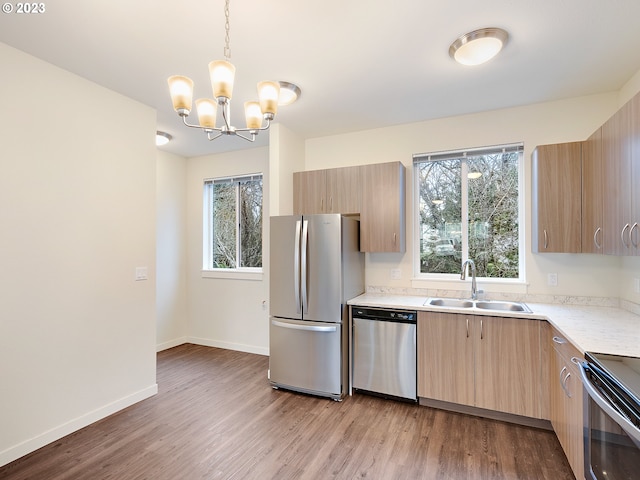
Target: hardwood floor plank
216,417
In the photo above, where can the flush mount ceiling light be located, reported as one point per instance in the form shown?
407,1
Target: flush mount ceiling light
478,46
162,138
222,74
289,93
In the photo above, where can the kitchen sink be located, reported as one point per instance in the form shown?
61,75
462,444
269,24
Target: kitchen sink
494,305
450,302
503,306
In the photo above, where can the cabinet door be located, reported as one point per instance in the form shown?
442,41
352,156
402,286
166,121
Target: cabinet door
557,205
508,365
309,190
382,219
343,191
567,402
592,194
635,172
616,148
445,357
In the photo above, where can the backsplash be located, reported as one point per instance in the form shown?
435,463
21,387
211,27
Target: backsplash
512,297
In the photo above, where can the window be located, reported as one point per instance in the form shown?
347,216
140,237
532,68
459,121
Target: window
468,206
233,223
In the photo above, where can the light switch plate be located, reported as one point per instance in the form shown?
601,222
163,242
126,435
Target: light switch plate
552,279
396,274
141,273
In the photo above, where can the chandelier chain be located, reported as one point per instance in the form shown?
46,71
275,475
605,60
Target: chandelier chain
227,48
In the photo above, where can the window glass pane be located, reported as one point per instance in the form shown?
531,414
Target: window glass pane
493,214
440,213
251,223
224,225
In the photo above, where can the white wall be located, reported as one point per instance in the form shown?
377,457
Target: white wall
553,122
77,212
224,312
171,250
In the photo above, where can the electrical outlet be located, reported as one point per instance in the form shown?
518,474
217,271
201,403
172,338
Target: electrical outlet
552,279
636,285
396,274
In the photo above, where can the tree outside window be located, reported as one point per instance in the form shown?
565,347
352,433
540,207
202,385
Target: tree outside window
233,223
468,207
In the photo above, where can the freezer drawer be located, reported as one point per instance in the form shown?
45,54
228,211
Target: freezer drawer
384,357
306,356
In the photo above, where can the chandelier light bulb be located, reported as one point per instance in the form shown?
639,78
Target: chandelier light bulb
269,93
181,90
207,110
253,115
222,74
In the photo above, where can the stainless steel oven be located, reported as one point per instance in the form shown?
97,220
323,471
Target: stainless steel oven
612,416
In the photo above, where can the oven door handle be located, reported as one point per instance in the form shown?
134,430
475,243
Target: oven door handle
597,397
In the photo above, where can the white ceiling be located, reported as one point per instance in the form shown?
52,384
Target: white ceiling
361,64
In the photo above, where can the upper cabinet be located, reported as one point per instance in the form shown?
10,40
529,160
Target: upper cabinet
592,194
616,149
335,190
375,192
634,235
602,214
382,218
557,203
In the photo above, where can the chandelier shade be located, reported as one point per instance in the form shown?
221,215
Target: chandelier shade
253,115
269,93
207,110
181,89
222,74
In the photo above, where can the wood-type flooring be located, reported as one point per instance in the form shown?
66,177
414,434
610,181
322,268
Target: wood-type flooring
216,417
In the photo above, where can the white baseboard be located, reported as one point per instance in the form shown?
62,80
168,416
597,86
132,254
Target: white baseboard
28,446
229,346
171,343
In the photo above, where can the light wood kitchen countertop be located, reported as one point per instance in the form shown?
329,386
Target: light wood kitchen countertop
590,328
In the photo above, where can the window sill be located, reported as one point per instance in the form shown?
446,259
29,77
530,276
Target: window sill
234,274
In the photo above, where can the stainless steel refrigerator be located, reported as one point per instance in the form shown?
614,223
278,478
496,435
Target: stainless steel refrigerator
315,268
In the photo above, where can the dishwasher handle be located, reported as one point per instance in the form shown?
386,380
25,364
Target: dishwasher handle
395,316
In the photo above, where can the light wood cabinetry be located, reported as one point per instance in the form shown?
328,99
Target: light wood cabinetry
382,217
616,148
445,357
376,192
592,194
336,190
557,202
567,401
481,361
634,234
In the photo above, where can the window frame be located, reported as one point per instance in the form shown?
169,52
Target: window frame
237,273
456,154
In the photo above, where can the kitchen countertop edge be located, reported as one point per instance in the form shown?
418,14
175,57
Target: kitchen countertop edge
589,328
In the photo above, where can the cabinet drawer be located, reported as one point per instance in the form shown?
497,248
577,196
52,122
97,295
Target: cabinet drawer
563,346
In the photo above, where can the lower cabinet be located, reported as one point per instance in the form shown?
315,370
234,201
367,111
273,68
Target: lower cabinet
567,401
481,361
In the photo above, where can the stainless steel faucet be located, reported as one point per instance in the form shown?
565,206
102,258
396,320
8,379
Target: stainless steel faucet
463,276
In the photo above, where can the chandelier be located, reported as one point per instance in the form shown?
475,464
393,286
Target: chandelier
222,74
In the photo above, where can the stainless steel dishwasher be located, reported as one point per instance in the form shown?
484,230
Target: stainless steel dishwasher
384,352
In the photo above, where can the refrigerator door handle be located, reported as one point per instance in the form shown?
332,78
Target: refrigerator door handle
303,282
296,267
309,328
